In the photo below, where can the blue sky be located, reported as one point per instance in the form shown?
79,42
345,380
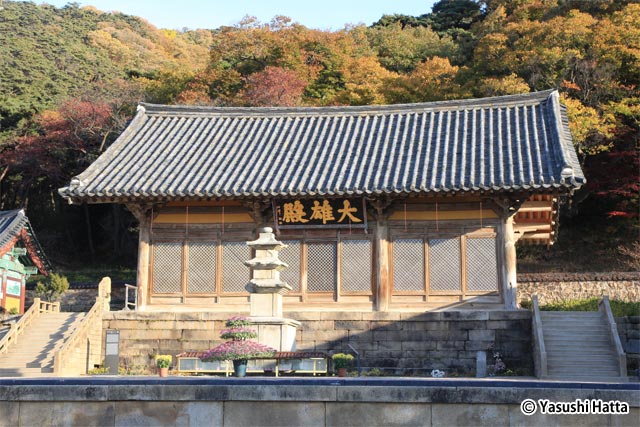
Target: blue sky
322,14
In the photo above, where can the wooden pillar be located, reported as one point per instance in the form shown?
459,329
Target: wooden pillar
143,263
383,292
144,253
510,280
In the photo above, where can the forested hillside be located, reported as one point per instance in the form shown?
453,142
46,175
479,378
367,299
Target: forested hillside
70,79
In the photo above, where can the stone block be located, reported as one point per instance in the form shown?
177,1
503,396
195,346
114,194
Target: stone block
168,413
352,325
498,324
433,316
377,414
387,326
477,345
274,414
326,336
469,415
438,326
193,324
453,335
9,414
626,420
319,325
517,418
45,414
360,336
482,335
465,315
512,335
390,345
418,345
382,335
384,354
632,346
265,393
381,316
347,393
509,315
195,334
465,325
341,315
302,316
450,345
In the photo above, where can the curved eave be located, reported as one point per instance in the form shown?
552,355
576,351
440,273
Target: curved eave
75,198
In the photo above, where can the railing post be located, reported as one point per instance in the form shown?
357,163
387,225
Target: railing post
36,304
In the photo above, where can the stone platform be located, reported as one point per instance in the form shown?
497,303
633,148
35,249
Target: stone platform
118,401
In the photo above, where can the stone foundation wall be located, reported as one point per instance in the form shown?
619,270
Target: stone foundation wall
558,287
309,402
629,331
397,343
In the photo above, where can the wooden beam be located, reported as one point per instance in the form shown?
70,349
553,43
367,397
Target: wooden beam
536,206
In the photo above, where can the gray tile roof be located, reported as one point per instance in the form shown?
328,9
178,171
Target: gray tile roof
509,143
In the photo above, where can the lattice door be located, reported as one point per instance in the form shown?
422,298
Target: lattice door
201,271
482,269
291,255
167,267
408,265
444,265
235,275
321,267
356,266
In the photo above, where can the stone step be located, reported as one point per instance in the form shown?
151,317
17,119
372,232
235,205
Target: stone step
33,354
587,378
580,314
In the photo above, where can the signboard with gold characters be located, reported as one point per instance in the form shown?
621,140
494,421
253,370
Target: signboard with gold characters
312,213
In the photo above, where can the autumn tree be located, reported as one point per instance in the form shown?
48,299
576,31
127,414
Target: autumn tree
273,86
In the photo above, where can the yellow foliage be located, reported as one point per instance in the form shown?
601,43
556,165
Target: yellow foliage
589,129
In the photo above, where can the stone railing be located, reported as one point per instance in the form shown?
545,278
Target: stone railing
75,357
539,350
19,327
605,307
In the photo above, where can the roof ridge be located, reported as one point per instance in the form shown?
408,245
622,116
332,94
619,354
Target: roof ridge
160,109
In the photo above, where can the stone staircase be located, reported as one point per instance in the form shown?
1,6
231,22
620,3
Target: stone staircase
579,346
32,355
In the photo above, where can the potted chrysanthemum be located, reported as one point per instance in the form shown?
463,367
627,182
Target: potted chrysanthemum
240,348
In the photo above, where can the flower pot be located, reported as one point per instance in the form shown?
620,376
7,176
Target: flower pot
342,372
163,372
240,367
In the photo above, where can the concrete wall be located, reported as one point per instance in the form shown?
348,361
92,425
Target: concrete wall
319,402
398,343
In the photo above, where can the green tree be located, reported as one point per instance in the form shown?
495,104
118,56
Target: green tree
52,287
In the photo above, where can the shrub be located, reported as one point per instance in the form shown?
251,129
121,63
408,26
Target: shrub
240,347
52,287
341,360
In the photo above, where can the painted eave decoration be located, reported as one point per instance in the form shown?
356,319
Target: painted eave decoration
15,228
516,143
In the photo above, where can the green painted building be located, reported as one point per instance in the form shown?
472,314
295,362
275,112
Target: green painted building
20,257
